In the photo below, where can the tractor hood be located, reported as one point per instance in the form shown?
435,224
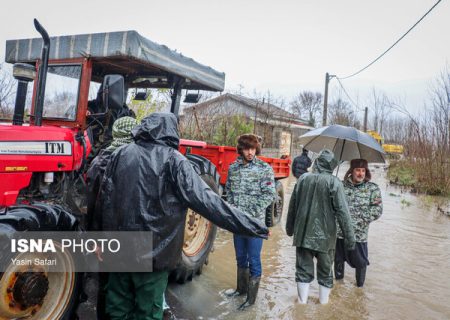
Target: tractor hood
39,149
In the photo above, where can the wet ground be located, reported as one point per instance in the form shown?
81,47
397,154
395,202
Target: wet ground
408,276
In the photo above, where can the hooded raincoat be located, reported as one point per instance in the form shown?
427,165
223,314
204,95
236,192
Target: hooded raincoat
317,202
149,185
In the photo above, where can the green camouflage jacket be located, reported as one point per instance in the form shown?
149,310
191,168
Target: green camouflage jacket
250,187
365,205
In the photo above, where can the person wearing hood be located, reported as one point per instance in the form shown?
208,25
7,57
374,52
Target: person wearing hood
148,186
365,205
317,202
301,164
121,133
250,187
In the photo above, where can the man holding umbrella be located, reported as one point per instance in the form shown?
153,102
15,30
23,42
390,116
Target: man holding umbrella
365,205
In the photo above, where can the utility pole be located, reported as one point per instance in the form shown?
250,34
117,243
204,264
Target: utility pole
366,111
325,98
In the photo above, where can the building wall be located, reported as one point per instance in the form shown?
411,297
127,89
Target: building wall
272,133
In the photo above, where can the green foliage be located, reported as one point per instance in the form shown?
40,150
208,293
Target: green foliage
153,103
229,129
402,174
394,194
405,203
215,129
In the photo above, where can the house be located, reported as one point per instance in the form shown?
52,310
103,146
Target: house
278,127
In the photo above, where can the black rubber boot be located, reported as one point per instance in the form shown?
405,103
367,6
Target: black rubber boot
339,270
360,276
253,287
243,275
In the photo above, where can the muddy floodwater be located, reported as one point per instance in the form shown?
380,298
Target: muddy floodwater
408,276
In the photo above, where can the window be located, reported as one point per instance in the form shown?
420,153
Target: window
61,92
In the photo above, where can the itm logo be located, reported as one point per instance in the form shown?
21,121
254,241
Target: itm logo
32,245
54,147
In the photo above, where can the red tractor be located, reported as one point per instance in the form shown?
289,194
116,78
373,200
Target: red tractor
43,159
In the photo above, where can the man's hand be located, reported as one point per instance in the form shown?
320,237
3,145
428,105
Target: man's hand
349,244
98,253
376,201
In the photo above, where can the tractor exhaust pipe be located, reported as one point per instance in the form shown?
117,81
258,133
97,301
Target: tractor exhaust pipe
42,77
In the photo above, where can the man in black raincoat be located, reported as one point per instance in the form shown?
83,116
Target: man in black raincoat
317,202
301,164
121,132
148,186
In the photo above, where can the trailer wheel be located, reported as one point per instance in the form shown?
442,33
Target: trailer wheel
37,294
199,233
275,210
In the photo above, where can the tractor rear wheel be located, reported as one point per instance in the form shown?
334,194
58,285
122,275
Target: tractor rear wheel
275,210
199,233
31,293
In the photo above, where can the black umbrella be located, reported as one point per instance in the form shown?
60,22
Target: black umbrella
347,143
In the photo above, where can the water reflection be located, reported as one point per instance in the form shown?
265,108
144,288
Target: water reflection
408,278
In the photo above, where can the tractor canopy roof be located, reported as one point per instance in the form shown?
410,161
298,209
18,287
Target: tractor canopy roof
142,62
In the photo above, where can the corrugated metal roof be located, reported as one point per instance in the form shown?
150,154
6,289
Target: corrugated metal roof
273,111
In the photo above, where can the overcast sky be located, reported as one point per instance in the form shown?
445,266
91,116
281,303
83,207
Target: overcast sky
282,46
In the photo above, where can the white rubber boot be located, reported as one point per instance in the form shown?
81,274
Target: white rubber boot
302,290
324,293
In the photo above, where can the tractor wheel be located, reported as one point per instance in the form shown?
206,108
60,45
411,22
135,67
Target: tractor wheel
275,210
199,233
37,294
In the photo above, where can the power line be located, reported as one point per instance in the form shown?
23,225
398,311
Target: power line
379,57
348,96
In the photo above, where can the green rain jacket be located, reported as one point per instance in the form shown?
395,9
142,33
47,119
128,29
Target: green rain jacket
317,202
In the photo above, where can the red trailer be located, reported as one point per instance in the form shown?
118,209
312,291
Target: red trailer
223,156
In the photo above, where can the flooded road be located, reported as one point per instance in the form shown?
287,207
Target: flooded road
408,276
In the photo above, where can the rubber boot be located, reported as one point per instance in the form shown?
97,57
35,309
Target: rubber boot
360,276
242,283
339,268
324,294
253,287
303,292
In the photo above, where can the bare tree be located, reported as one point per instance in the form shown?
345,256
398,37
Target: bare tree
394,129
426,139
341,112
217,123
380,106
440,105
7,92
308,104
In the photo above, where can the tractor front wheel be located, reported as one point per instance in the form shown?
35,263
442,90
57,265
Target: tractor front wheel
31,292
199,233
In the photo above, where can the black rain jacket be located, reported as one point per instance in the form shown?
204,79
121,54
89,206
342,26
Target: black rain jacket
301,164
148,186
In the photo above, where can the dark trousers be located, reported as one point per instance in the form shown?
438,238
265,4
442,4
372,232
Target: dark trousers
248,254
136,295
304,266
357,258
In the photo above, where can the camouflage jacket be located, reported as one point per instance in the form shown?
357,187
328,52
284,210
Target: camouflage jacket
365,205
250,187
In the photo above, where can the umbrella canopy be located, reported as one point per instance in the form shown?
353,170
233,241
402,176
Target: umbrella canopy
347,143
